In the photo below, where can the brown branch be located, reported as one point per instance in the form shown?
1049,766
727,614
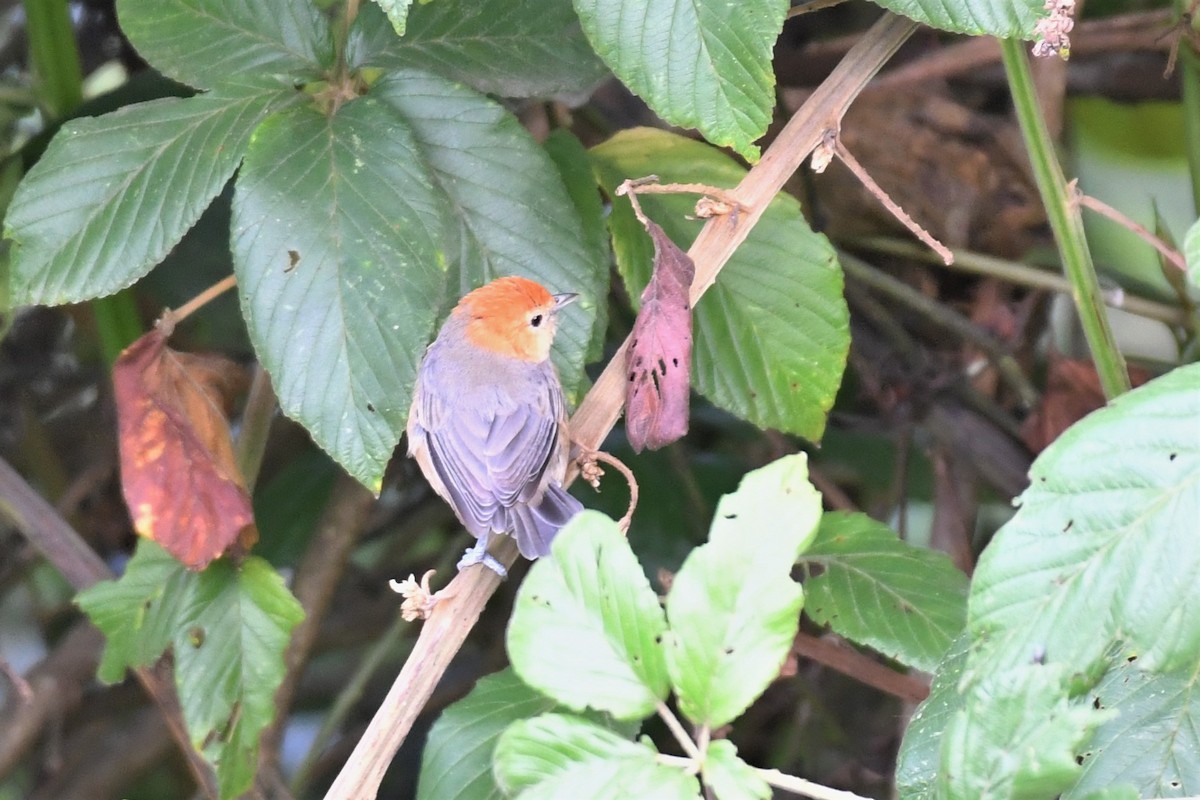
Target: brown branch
446,629
211,293
29,513
1173,257
849,661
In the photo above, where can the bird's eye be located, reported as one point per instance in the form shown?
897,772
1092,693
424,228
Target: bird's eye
536,320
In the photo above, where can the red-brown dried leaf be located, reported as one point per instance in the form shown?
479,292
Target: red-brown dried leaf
1072,392
660,350
178,471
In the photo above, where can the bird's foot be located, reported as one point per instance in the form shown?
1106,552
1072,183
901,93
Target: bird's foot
479,555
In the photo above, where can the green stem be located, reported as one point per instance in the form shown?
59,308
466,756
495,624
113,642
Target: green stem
55,57
1189,78
117,323
1065,222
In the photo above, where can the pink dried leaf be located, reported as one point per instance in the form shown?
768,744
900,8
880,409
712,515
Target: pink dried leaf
659,360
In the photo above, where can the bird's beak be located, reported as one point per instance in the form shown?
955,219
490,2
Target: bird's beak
561,300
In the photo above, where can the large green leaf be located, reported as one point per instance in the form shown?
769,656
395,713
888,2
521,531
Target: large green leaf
919,759
511,48
510,211
1191,253
206,42
229,662
731,778
113,194
456,763
906,602
1153,742
1001,18
1104,545
704,64
733,607
228,627
558,756
587,628
338,247
771,336
1016,737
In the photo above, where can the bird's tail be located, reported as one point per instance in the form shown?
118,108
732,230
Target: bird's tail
534,528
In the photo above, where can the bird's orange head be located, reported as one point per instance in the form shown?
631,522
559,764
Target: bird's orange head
513,317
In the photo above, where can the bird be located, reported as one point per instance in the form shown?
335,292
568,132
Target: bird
488,422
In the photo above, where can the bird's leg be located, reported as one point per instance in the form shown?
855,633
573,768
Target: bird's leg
479,555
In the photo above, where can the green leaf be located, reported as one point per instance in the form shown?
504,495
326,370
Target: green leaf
1016,737
229,662
906,602
510,211
228,626
511,48
586,629
456,763
397,13
575,169
1191,254
205,42
733,607
729,777
139,613
704,64
1110,515
799,309
1152,745
338,248
556,755
113,194
919,759
999,18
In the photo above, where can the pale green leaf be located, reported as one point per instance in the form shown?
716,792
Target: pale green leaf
229,662
511,214
1017,736
1104,545
919,759
906,602
510,48
704,64
456,763
113,194
557,756
783,286
729,777
586,629
733,607
397,13
1004,19
338,243
206,42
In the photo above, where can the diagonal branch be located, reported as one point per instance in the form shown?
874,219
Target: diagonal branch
446,629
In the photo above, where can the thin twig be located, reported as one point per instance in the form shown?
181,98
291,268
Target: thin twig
676,728
800,786
849,661
1174,257
447,628
891,205
592,474
20,685
216,290
251,442
649,185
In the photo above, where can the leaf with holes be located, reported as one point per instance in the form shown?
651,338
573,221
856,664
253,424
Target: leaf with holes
659,360
733,606
799,310
587,628
999,18
80,221
906,602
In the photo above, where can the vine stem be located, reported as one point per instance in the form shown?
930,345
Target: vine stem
1065,221
677,730
452,619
